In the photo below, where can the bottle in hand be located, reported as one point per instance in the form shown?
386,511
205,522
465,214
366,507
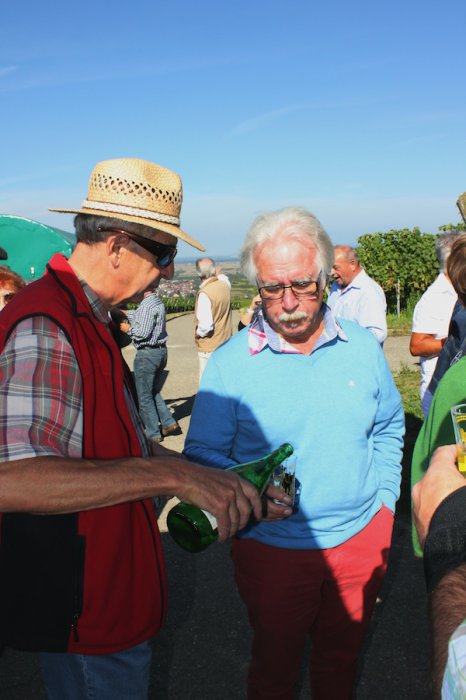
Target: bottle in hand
194,529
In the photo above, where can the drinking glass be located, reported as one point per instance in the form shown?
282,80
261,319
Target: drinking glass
284,477
458,416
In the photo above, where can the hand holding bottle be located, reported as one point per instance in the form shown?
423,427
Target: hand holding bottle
224,494
194,526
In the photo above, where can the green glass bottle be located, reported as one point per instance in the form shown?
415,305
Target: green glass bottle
194,529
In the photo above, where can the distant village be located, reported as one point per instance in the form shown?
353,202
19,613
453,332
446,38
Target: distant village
178,288
186,282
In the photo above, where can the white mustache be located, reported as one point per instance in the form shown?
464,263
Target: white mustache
295,316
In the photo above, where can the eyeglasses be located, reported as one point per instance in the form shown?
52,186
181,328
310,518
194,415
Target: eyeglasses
7,297
164,254
300,288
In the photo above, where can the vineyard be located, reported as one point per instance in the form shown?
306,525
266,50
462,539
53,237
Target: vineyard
403,262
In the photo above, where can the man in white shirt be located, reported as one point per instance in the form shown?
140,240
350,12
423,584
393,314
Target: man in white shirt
212,313
431,317
355,296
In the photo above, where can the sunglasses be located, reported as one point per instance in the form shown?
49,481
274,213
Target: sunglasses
164,254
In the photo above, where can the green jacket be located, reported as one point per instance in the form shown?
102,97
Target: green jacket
437,429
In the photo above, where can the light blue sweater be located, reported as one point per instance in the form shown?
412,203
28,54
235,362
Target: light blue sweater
338,407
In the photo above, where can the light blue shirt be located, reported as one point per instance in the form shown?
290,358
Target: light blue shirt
338,407
363,301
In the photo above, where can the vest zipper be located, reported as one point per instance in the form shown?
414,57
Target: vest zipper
74,627
159,565
80,547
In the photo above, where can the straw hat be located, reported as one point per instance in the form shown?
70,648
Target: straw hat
136,190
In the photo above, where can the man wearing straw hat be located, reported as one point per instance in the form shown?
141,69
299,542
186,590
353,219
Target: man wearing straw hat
86,586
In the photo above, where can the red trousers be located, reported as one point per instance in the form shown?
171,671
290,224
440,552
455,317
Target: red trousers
328,594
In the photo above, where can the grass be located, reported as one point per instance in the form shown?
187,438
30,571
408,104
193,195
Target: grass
407,381
399,325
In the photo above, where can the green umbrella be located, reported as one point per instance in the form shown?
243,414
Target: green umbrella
30,245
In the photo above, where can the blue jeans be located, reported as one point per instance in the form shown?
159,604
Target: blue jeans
148,367
121,676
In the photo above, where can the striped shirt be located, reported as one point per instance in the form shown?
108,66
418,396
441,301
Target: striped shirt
261,334
41,407
148,322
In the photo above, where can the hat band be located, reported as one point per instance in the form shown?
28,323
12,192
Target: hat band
131,211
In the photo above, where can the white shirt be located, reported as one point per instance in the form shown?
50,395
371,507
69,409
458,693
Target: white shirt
432,315
205,321
363,301
223,278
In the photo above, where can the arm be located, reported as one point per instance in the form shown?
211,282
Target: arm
431,319
247,316
388,434
439,510
425,345
437,429
74,484
60,485
440,480
205,321
372,308
453,350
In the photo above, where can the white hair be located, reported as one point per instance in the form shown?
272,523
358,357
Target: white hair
205,268
296,222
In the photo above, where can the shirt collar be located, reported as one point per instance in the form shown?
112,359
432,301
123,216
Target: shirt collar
355,282
207,281
261,334
97,306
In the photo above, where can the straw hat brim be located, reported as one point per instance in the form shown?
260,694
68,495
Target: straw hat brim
156,225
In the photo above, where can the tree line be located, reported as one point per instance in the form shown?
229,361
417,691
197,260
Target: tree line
403,262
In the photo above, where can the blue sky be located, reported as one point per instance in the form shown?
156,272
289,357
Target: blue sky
354,110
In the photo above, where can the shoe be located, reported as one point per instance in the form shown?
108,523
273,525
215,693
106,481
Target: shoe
159,438
173,429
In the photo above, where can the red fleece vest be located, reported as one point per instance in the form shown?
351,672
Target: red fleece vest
90,582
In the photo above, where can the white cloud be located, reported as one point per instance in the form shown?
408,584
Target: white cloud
257,122
6,70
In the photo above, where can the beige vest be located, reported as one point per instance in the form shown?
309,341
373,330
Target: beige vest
219,295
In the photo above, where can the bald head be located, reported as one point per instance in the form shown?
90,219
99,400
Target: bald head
205,268
346,265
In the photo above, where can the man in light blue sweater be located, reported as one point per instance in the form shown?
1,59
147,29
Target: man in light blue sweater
298,375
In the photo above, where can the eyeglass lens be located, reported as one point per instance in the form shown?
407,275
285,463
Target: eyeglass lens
299,289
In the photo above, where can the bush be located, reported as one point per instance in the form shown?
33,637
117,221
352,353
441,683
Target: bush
403,262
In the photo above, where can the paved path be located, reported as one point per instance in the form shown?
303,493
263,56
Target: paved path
202,652
182,368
